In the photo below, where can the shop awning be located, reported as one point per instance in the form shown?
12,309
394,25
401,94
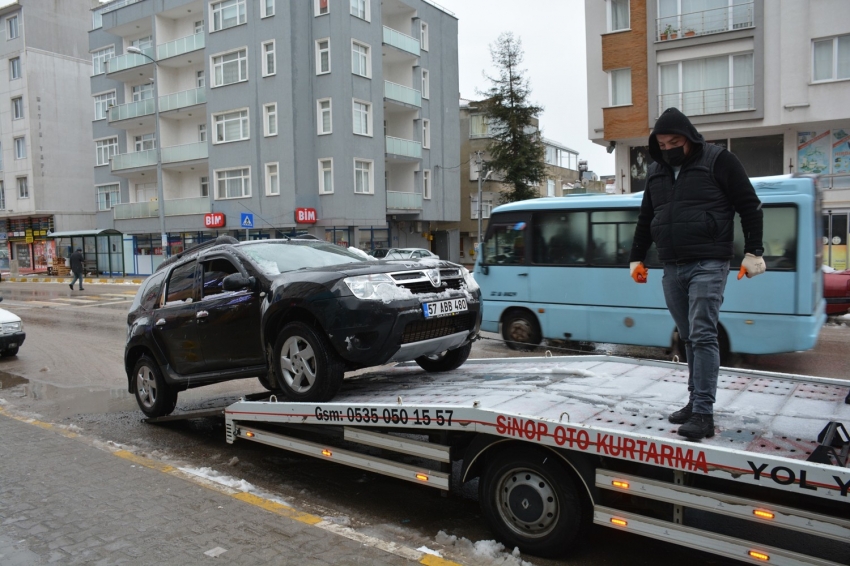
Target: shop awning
77,233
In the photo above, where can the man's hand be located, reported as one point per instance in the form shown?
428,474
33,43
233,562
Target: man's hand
751,266
639,272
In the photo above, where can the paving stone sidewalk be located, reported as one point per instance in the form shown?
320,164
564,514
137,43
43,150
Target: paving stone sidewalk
63,501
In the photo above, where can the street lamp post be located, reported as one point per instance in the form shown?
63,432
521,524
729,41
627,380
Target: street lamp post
159,189
480,205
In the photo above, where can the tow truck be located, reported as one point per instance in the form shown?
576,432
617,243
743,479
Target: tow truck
558,443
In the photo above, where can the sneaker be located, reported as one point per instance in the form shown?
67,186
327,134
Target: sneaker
682,415
698,426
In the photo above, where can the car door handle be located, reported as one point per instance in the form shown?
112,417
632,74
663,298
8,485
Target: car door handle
160,322
522,274
202,314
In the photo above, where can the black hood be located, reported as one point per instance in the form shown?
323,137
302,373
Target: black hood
672,121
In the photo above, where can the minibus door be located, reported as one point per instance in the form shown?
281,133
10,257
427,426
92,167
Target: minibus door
503,269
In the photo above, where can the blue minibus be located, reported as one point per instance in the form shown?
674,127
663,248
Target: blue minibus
557,268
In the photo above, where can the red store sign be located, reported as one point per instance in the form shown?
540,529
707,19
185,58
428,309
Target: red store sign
305,215
214,220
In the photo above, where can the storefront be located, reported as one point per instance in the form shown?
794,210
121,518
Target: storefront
372,238
24,241
103,251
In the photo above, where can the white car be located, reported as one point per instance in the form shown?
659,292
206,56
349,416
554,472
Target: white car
11,333
410,253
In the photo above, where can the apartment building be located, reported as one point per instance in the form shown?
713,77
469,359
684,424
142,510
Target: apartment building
768,80
333,117
476,134
45,165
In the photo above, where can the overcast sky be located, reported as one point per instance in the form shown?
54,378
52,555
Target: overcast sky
552,34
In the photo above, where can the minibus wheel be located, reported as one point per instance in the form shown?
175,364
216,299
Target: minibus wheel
520,330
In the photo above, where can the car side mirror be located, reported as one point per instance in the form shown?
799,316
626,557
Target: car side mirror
236,281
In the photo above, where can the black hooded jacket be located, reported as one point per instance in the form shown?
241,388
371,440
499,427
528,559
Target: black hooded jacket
692,216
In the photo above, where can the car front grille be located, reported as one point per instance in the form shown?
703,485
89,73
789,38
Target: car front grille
422,287
419,283
437,327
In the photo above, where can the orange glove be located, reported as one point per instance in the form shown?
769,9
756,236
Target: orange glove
639,271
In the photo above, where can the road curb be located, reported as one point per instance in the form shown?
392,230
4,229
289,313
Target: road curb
67,280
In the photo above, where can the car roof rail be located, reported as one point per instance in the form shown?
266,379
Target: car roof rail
221,240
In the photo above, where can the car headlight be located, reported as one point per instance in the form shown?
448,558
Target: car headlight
471,284
371,287
11,327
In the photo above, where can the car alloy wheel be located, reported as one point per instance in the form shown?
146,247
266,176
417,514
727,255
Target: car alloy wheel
298,364
146,386
306,366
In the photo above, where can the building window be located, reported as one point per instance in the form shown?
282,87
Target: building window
1,158
360,8
831,59
426,184
230,68
268,58
233,183
205,186
321,7
272,179
104,150
363,177
199,26
362,118
426,134
2,196
23,188
268,8
144,142
618,15
108,196
202,133
17,108
270,119
99,59
231,126
323,56
227,14
707,86
423,36
550,188
326,176
324,124
14,68
620,87
102,104
143,92
486,207
20,148
201,79
361,61
12,27
142,43
426,84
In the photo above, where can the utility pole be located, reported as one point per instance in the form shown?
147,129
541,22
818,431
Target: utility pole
480,204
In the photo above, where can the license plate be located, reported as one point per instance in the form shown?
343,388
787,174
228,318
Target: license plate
444,308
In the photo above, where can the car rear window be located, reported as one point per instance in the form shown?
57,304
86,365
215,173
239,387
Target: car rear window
273,258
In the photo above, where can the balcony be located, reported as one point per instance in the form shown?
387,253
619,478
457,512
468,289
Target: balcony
402,94
187,152
180,46
97,15
132,110
182,99
128,61
717,20
173,207
134,159
404,201
404,148
401,41
710,101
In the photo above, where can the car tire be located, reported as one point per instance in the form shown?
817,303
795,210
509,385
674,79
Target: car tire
521,331
155,397
305,365
10,352
445,361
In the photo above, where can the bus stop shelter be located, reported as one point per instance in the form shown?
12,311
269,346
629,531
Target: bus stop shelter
103,251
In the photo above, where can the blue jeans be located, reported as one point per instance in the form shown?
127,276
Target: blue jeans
694,293
74,280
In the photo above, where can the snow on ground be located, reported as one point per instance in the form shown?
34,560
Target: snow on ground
231,482
492,552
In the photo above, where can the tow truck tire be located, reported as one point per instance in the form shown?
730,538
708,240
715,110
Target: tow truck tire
531,502
445,361
10,352
154,396
306,367
521,331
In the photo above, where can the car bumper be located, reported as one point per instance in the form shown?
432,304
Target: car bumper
9,341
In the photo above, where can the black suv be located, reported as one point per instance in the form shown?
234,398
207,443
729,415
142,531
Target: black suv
294,313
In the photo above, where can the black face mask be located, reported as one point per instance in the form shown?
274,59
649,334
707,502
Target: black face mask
674,157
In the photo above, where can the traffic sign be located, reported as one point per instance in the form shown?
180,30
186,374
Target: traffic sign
247,220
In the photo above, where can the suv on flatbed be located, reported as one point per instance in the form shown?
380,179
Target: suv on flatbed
296,314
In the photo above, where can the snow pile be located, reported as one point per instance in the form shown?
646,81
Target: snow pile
267,266
488,549
427,550
361,253
388,292
231,482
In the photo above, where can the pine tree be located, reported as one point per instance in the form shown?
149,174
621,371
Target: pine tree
516,148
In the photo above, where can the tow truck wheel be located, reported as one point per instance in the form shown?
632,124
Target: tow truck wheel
445,361
521,331
531,502
305,365
10,352
155,397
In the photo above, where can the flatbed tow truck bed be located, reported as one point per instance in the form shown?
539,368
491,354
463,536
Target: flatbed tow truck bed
556,442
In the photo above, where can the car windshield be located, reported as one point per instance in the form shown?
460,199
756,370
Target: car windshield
279,257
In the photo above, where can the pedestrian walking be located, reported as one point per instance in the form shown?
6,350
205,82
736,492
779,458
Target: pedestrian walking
692,193
76,263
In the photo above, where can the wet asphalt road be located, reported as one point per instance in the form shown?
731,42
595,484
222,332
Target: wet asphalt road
70,371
